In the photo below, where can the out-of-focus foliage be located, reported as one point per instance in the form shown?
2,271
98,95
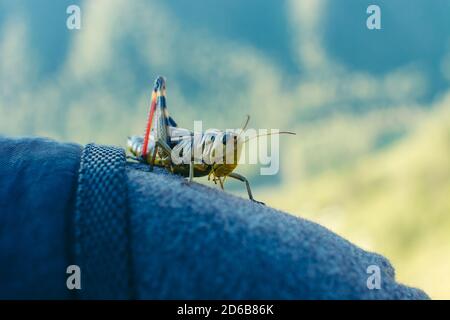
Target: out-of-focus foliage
395,201
371,158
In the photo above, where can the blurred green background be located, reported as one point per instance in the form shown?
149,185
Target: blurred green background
371,159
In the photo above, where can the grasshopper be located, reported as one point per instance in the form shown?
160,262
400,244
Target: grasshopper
163,137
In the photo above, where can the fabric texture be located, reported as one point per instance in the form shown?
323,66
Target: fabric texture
38,179
185,241
102,246
196,242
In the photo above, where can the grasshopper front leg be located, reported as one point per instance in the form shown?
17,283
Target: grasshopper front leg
247,184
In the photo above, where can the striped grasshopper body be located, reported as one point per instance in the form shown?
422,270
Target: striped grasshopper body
163,138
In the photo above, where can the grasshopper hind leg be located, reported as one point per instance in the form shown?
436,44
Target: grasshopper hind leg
153,158
247,184
168,150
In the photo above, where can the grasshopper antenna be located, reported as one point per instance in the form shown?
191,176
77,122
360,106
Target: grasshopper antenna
269,134
244,126
247,120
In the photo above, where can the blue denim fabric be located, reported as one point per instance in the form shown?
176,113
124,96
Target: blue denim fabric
37,192
187,241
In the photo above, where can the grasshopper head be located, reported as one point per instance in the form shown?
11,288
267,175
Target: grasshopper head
232,147
221,147
231,143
